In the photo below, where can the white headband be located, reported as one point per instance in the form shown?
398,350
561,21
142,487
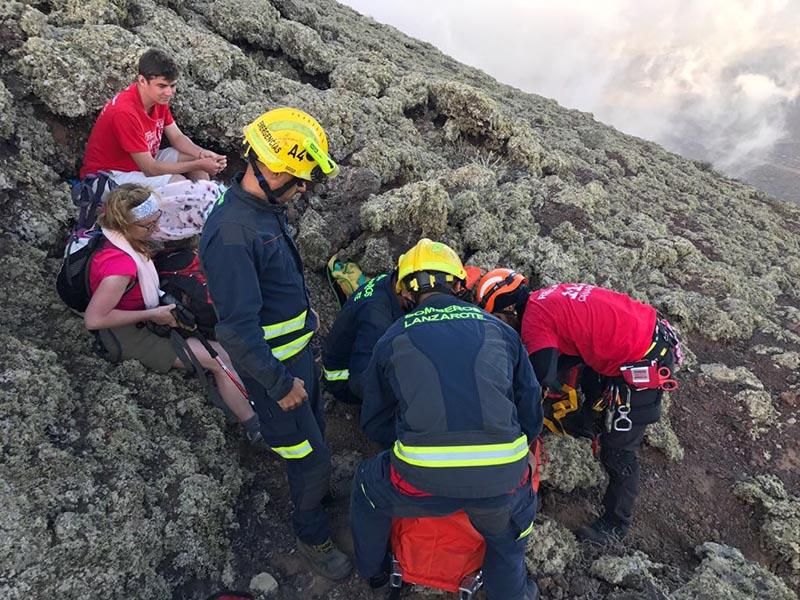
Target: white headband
146,209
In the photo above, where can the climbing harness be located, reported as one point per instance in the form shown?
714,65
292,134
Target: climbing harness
648,375
559,406
616,406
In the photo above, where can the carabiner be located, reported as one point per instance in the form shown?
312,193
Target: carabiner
622,422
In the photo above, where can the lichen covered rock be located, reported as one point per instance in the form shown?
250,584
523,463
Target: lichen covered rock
725,374
661,435
413,211
570,464
551,548
616,569
781,527
725,573
304,45
112,487
762,412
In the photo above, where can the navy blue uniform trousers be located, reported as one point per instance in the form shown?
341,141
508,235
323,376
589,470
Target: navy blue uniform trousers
500,520
309,476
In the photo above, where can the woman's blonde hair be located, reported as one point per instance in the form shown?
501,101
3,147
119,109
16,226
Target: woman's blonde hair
117,215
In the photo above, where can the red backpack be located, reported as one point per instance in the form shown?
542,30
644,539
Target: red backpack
445,553
438,552
182,277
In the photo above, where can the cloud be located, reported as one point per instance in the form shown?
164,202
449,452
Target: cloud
712,79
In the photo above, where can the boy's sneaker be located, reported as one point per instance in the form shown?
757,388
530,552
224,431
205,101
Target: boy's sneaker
326,559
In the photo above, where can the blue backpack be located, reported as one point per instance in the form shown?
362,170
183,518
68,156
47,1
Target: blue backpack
87,196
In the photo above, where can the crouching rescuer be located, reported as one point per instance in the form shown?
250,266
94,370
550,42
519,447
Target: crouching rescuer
364,318
604,360
255,275
450,391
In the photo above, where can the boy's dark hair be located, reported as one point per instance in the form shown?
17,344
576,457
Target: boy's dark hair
157,63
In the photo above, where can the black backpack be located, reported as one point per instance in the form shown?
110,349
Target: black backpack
182,277
72,282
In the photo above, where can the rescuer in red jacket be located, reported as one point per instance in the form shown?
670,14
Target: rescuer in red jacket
619,352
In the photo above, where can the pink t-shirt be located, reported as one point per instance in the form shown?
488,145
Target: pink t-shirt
108,261
606,329
124,128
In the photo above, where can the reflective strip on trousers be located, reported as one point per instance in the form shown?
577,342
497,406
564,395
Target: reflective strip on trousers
300,450
284,327
292,348
526,532
340,375
483,455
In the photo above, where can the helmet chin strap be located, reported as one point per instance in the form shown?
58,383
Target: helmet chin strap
273,196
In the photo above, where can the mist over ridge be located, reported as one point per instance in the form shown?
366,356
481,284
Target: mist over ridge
717,81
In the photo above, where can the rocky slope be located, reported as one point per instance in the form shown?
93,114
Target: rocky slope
118,483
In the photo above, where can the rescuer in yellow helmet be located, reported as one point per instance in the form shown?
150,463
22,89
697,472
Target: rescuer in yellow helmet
255,276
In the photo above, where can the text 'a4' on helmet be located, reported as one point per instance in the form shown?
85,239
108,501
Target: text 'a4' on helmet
495,284
288,140
429,257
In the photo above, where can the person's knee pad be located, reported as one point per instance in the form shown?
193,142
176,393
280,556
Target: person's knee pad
619,463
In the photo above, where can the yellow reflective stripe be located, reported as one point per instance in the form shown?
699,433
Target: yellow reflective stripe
340,375
300,450
526,532
479,455
284,327
292,348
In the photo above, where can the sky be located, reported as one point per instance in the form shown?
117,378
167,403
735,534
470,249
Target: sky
715,80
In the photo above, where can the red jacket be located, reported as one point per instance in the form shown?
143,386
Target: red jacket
605,328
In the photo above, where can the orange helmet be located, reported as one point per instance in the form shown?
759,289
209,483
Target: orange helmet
473,275
497,283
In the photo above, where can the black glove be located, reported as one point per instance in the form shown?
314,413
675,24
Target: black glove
184,317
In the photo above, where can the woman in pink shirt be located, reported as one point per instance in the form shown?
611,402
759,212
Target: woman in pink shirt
125,296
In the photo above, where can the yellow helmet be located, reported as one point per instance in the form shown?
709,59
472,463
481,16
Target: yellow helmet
288,140
430,257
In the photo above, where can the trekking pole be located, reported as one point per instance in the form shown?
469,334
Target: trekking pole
215,355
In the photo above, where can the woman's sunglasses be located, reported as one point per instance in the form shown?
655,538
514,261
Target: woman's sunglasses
150,227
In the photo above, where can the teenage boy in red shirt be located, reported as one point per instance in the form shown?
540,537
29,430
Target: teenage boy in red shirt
126,137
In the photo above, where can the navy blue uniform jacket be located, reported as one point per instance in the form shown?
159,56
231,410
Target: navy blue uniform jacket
255,276
448,378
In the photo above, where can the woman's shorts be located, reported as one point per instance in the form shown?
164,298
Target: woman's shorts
139,343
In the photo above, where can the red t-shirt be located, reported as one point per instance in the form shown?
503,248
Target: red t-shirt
605,328
110,260
124,128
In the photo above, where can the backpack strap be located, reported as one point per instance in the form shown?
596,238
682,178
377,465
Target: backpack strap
87,196
101,348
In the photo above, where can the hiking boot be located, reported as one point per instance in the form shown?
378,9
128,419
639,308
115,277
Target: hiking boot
326,559
252,431
601,533
254,438
379,586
